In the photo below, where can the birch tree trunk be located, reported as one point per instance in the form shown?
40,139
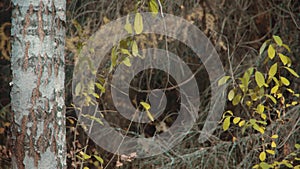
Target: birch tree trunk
37,96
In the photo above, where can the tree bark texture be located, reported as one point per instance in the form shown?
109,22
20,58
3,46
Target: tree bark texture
37,95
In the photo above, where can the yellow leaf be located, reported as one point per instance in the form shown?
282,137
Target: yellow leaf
226,123
292,71
231,94
273,70
86,167
277,40
286,47
99,86
84,155
126,52
134,49
272,98
271,152
260,108
273,144
138,23
99,159
262,156
274,136
271,52
236,120
223,80
284,59
274,89
149,115
128,26
126,61
145,105
259,78
241,123
284,81
263,116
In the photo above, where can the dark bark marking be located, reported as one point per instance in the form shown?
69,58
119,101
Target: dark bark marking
27,19
26,57
41,32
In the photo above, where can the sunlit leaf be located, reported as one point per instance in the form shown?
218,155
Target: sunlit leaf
226,123
278,40
271,152
284,81
262,156
134,49
260,108
297,146
84,155
99,159
284,59
145,105
271,52
259,78
126,52
242,123
274,136
273,70
262,48
286,47
274,89
263,116
99,86
231,94
265,165
273,144
128,26
149,115
127,62
138,23
236,120
291,71
223,80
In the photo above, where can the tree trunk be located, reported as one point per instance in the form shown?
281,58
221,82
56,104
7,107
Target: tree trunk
37,96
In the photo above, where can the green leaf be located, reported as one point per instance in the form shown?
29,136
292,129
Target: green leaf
149,115
262,156
226,123
271,52
284,59
274,136
127,62
134,49
145,105
99,159
271,152
284,81
153,7
278,40
292,71
259,78
223,80
273,70
114,57
227,112
138,23
297,146
236,99
236,120
263,116
231,95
